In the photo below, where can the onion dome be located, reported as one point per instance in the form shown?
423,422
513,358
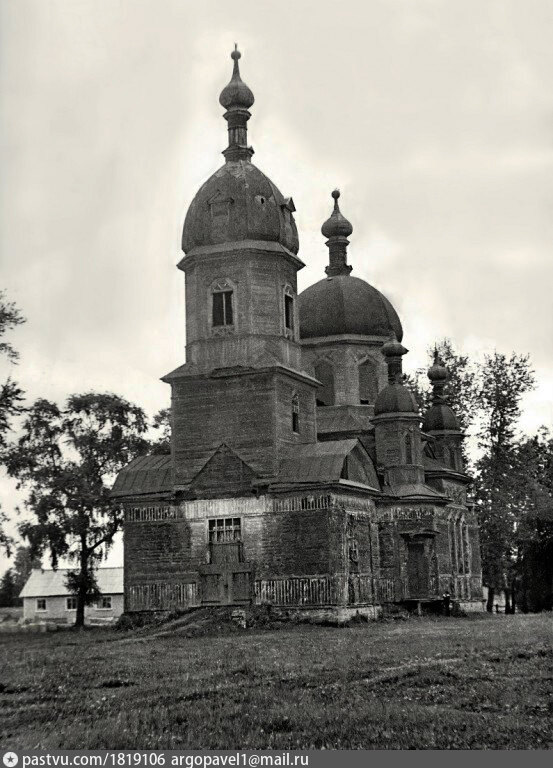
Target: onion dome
336,225
239,202
236,95
395,397
437,371
440,416
341,304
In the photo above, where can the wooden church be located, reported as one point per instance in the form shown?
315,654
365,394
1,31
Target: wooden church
301,473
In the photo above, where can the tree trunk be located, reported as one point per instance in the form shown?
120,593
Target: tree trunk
513,598
507,600
489,602
83,581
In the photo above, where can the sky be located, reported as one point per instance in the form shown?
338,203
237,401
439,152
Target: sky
433,117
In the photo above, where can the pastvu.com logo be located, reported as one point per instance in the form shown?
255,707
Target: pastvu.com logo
10,759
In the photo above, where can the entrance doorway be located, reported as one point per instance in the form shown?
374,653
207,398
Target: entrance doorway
418,570
226,579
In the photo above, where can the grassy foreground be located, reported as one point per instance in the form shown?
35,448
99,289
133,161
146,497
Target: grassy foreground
483,682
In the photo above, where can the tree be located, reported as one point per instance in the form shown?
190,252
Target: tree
8,590
462,390
23,564
67,459
499,473
534,534
6,541
162,425
11,394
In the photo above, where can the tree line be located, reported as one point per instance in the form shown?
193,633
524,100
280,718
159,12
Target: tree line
65,459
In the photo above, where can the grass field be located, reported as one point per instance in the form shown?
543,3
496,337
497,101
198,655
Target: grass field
483,682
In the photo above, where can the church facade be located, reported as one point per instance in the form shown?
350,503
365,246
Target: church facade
301,474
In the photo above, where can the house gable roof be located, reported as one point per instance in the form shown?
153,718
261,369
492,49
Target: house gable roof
50,583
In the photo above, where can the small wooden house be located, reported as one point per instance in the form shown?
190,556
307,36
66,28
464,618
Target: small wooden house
46,598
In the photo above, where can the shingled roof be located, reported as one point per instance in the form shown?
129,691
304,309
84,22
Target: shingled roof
49,583
145,475
321,462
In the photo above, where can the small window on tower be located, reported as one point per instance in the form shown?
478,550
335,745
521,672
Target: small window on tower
289,312
367,383
295,414
408,449
222,308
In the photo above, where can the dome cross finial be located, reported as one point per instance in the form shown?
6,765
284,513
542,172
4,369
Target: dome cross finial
237,98
337,229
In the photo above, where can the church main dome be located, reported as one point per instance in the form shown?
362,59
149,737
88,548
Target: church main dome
341,304
239,202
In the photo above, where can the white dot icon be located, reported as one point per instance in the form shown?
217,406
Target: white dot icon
10,759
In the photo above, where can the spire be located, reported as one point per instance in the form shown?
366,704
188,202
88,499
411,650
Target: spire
393,351
337,229
438,376
237,98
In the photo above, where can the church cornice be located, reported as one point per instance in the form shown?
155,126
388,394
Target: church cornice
342,339
181,372
251,246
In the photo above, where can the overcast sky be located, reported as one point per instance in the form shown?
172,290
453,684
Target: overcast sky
433,117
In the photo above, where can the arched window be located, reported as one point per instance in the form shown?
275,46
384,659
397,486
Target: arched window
295,414
222,304
408,448
447,457
289,312
367,383
324,372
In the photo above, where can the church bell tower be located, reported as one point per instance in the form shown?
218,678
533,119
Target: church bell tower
242,391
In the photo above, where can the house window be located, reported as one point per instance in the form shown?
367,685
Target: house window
41,604
224,530
105,603
408,449
295,414
71,604
222,308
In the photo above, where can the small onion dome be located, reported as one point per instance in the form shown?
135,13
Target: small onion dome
395,398
437,371
337,225
439,418
236,95
393,348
